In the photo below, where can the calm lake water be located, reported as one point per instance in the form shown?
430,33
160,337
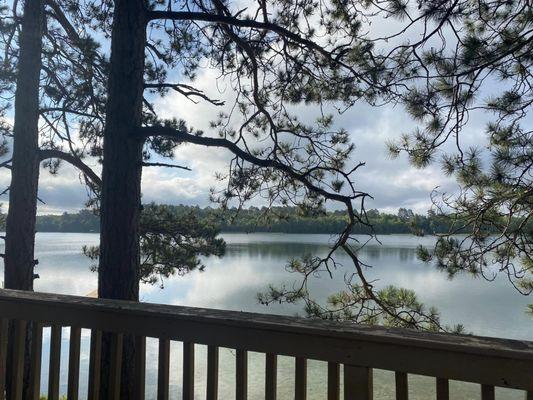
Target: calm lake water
253,261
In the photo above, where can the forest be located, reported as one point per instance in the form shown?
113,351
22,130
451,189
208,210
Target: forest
279,219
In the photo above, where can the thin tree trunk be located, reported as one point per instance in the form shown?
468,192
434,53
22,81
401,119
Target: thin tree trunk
118,274
20,224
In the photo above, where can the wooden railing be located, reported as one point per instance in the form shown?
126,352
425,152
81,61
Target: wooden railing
489,362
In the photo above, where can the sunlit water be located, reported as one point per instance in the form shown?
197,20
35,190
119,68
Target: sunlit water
253,261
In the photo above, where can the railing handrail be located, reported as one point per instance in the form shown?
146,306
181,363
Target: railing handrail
493,361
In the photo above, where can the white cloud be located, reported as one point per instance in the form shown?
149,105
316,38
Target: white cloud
392,183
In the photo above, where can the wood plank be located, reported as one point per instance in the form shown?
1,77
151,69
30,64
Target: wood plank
212,373
443,389
358,383
487,392
402,386
241,375
73,385
506,363
115,368
55,362
188,371
334,392
300,379
4,335
19,337
95,360
35,361
140,368
163,370
271,376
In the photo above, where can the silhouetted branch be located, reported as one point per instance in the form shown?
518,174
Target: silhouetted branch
73,160
148,164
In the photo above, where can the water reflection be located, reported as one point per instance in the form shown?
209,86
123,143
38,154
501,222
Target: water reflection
255,260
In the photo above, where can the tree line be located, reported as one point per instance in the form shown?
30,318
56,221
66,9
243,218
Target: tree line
254,219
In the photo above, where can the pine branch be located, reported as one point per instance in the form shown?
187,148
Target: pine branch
253,24
73,160
185,137
148,164
185,90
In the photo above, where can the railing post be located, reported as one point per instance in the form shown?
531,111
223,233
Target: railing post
358,383
115,368
402,386
241,375
271,376
487,392
95,362
35,363
163,371
4,334
74,363
300,382
19,337
140,367
55,361
443,389
212,372
333,381
188,371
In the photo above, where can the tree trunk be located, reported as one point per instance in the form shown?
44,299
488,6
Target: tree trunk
118,273
20,224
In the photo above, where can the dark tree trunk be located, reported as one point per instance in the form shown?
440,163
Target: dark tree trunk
20,224
118,274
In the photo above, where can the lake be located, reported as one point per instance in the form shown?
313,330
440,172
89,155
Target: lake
253,261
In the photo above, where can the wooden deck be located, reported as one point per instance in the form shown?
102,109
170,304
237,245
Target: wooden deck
489,362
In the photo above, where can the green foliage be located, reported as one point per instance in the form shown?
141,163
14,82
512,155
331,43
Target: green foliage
485,71
82,221
253,219
390,306
172,241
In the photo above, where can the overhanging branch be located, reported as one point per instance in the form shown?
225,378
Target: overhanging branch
186,90
63,21
158,164
233,21
185,137
73,160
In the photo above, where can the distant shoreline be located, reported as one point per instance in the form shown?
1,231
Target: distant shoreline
258,232
257,220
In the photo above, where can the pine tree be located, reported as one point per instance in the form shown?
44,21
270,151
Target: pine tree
274,56
474,61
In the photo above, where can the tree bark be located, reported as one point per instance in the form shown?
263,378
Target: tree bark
19,258
118,273
20,224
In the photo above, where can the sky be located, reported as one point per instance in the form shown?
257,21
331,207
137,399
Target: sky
393,183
